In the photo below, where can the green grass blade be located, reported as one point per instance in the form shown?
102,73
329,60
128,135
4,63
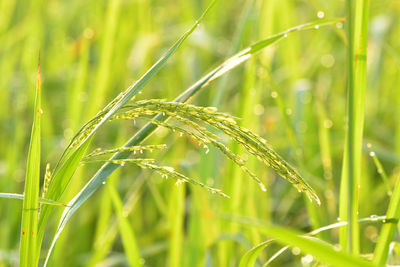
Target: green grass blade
41,200
389,228
319,250
126,232
351,171
30,210
97,180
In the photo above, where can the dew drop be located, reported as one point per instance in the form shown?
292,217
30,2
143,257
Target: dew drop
141,151
372,153
179,181
163,113
316,26
274,94
151,150
140,92
338,219
104,182
374,217
41,111
306,260
285,35
320,14
369,145
134,152
180,134
296,251
263,188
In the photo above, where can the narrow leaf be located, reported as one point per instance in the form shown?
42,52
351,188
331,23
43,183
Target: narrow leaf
30,211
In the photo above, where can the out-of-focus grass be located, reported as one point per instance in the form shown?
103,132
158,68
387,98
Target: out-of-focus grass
87,45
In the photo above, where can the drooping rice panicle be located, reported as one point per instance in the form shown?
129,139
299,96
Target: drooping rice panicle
253,143
165,171
205,137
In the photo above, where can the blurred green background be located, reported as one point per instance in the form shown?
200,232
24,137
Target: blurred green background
293,94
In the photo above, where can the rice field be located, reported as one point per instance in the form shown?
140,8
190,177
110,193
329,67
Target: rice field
199,133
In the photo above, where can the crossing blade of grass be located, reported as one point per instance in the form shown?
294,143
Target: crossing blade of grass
319,250
388,229
41,200
30,211
101,175
357,55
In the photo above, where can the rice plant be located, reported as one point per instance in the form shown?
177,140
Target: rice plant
264,160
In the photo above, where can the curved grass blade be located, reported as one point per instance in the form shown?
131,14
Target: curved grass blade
41,200
249,259
320,250
108,168
30,211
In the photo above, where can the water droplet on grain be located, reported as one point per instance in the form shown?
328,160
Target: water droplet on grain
180,134
369,145
285,35
374,217
274,94
140,92
320,14
104,182
338,219
134,152
372,153
141,151
316,26
151,150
